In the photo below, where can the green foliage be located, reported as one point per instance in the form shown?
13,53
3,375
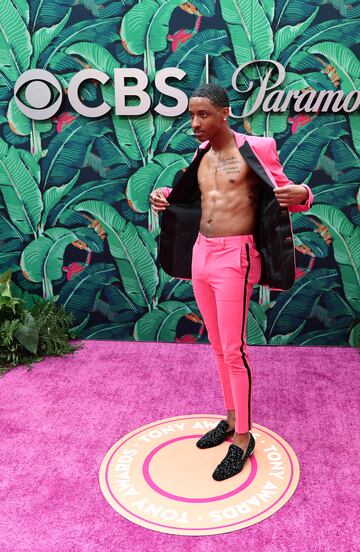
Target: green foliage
27,335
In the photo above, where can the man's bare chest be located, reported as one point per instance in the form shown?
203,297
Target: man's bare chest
229,172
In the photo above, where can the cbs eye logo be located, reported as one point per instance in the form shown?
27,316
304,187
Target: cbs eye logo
35,86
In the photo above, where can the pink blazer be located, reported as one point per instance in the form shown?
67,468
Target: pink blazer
266,152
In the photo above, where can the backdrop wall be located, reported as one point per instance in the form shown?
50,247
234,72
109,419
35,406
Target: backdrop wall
74,213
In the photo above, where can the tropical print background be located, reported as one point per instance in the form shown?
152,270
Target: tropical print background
75,221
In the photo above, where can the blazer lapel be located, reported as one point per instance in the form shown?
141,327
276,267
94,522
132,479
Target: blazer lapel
249,155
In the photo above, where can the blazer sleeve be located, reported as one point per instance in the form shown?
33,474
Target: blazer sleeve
166,191
273,162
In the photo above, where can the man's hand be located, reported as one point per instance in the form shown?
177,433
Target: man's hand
158,201
293,194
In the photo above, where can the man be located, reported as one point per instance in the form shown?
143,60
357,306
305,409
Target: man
217,204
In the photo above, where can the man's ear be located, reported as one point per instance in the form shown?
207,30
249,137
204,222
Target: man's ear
226,112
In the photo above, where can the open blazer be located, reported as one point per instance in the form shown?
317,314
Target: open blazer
273,235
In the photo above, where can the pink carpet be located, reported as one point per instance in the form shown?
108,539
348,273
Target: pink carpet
58,420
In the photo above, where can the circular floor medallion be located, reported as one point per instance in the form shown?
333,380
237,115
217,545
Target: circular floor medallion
156,477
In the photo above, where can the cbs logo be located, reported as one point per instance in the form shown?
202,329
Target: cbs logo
35,86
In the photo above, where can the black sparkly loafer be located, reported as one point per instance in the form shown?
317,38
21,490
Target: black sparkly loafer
215,436
234,461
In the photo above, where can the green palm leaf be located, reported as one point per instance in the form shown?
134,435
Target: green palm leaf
134,135
344,155
346,63
254,331
160,324
118,300
114,8
113,157
47,13
28,334
179,290
348,67
286,35
10,252
68,149
190,57
9,72
22,7
205,7
300,153
304,62
19,123
79,294
339,313
149,241
249,28
354,337
145,26
136,266
286,338
295,305
53,195
313,241
346,244
269,9
114,331
292,11
43,37
157,173
90,238
42,258
179,137
346,32
7,227
339,194
97,56
14,33
20,189
99,31
6,87
328,337
105,190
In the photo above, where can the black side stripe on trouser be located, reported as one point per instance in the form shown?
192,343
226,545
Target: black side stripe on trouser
243,329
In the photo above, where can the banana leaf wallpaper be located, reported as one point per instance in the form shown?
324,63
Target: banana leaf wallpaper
75,219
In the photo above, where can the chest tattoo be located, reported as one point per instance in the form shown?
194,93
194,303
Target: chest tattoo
231,165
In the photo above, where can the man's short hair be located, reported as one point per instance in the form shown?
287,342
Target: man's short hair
216,94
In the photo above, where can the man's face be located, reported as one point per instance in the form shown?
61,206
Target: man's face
206,118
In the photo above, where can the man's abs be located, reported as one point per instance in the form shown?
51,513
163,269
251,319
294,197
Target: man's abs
229,195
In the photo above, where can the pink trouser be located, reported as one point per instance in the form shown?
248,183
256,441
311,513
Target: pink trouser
224,271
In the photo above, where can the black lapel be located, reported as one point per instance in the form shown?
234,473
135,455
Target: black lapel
248,153
187,188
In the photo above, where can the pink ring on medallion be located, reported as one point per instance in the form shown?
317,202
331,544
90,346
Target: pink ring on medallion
150,482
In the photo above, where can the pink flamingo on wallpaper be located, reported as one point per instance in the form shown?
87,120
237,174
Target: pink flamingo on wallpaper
181,36
192,338
75,268
299,121
63,120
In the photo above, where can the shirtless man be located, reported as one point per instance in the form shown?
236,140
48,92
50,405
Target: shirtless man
226,264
